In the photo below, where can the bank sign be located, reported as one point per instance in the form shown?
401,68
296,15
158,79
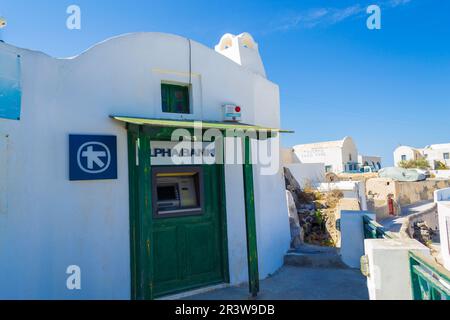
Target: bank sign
92,157
182,153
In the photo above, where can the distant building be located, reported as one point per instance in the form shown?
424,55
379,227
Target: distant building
435,154
337,156
373,162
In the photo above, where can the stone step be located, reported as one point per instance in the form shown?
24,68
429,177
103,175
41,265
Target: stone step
314,257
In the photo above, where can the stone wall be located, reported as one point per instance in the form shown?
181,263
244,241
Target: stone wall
403,193
412,192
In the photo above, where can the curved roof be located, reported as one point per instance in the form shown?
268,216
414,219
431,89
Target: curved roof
117,39
407,147
439,146
325,144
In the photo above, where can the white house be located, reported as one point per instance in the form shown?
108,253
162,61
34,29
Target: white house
92,204
337,156
435,154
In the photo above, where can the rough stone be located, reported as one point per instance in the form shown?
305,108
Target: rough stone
296,230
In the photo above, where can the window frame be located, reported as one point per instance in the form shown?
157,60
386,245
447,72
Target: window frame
171,86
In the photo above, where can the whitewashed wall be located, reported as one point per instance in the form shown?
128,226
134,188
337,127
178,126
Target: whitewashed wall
51,223
441,174
350,190
442,198
307,173
352,236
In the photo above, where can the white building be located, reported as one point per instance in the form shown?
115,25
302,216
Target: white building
435,154
87,181
337,156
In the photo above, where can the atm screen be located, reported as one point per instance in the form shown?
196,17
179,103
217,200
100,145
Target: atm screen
177,192
167,193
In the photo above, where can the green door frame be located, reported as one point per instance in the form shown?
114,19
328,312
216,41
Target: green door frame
140,207
141,235
250,219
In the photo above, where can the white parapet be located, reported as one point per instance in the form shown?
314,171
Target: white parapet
350,190
442,198
389,274
352,236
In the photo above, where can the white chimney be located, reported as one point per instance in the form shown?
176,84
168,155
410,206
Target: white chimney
243,50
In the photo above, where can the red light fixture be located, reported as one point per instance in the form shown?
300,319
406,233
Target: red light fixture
237,109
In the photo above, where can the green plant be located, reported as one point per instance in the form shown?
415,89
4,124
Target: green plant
441,166
319,216
420,163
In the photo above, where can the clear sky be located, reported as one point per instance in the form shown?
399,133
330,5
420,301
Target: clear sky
382,87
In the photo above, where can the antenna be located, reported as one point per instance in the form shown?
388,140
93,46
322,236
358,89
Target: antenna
3,22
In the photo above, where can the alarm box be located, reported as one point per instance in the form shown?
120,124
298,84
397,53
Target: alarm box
232,112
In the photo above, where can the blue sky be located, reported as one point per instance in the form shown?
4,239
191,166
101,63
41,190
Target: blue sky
382,87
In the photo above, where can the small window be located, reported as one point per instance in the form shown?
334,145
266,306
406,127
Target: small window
328,168
447,156
403,157
175,98
177,191
349,157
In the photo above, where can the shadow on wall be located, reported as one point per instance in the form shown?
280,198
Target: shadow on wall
381,207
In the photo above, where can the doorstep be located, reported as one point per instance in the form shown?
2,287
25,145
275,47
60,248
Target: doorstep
186,294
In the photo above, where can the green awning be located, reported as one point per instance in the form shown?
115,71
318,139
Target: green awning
190,124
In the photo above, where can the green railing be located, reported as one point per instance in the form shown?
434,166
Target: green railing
373,230
429,280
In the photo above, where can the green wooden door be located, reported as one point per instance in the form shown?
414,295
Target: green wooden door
188,249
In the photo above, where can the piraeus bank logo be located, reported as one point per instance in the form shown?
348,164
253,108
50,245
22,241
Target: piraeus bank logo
92,157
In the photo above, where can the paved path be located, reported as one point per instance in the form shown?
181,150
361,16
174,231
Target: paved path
300,283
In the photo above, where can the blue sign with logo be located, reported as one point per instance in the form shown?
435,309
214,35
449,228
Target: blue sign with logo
92,157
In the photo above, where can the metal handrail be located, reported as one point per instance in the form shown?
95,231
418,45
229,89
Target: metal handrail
373,230
429,280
